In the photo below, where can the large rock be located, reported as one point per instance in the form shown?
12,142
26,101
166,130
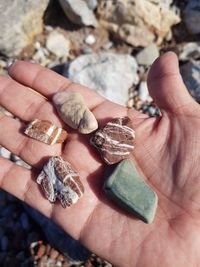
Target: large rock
79,12
20,21
192,16
138,22
108,73
191,77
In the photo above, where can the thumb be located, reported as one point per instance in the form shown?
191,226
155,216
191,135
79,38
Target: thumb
166,86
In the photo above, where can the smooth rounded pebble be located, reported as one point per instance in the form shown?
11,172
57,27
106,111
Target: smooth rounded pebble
74,112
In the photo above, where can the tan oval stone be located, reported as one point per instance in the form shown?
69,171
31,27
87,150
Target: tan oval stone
74,112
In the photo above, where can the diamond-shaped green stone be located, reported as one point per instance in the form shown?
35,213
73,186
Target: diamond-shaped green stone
126,187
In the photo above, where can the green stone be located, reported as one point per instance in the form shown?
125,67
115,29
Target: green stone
128,189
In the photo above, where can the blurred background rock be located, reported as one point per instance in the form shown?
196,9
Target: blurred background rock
107,45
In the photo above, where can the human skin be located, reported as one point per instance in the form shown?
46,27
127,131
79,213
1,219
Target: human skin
167,152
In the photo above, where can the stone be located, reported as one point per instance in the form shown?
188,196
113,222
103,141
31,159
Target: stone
23,164
147,55
57,44
74,112
191,16
191,76
109,74
5,152
78,12
90,39
46,132
92,4
143,92
189,51
137,22
20,21
115,140
128,189
59,180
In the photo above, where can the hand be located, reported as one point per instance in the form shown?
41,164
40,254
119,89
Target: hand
167,152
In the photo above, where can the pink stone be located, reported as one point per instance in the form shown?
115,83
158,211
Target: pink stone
46,132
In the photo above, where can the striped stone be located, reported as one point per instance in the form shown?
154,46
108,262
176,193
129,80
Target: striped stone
60,181
115,140
46,132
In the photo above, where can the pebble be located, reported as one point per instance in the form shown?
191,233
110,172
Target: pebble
41,251
152,111
74,112
130,103
92,4
6,112
90,39
45,131
54,254
143,91
148,55
23,164
115,141
191,76
3,64
107,45
57,44
86,50
128,189
5,152
189,51
59,180
37,45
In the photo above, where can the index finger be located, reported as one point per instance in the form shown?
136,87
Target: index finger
48,82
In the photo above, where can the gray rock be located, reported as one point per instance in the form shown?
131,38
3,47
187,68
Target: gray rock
147,55
109,74
57,44
129,190
23,164
143,92
191,16
5,152
191,77
190,51
92,4
20,21
87,50
78,12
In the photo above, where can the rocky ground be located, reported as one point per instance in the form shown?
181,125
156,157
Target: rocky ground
102,45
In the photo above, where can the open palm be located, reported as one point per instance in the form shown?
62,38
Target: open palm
166,152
